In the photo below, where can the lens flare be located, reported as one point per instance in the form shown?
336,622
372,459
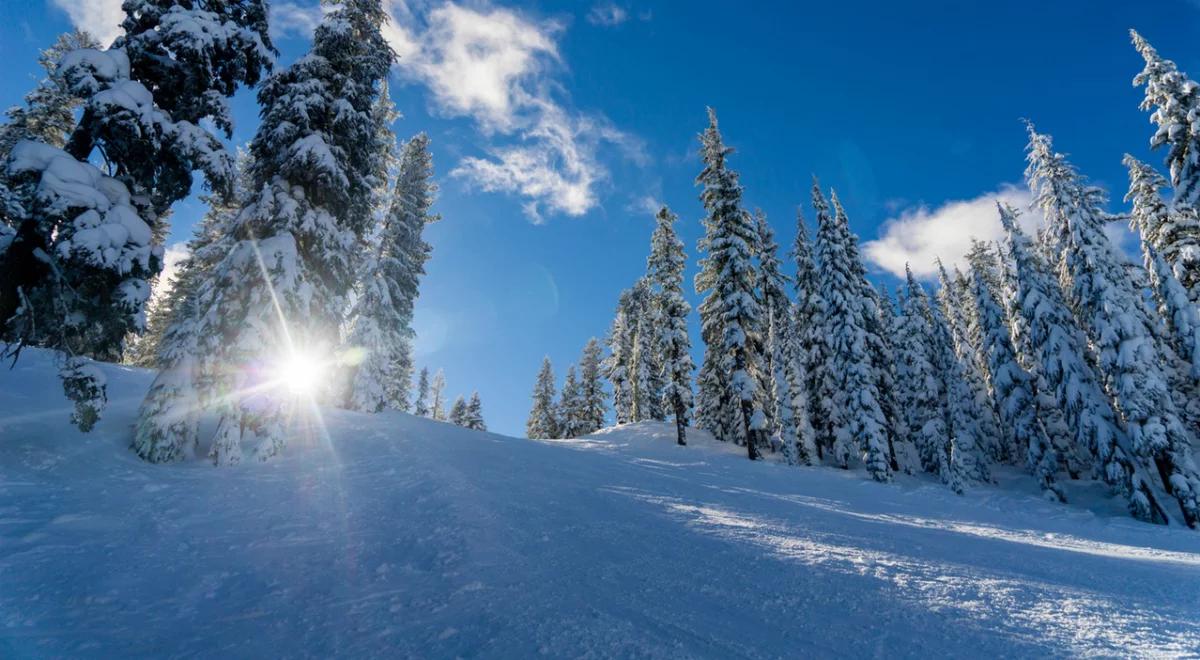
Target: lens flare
299,374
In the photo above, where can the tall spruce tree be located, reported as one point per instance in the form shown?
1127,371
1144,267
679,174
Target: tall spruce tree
474,418
646,379
811,348
1111,309
618,365
1175,102
1012,387
437,397
1060,350
851,383
665,267
543,417
919,385
280,291
421,398
381,320
593,398
730,317
570,406
458,412
772,285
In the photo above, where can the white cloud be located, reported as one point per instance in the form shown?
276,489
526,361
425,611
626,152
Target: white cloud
919,235
173,256
101,18
291,19
495,66
607,14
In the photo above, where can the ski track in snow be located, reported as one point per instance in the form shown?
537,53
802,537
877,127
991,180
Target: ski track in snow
401,537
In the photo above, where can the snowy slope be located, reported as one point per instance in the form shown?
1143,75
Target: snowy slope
402,537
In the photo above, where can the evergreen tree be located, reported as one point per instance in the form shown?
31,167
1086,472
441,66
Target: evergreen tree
772,284
729,315
49,111
903,453
474,418
458,412
919,392
437,397
381,320
543,418
645,366
617,366
665,266
280,292
957,309
1012,388
570,406
592,396
1060,350
421,400
851,382
1114,315
1175,102
811,349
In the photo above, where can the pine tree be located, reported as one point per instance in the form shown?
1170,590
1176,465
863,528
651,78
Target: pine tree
381,321
957,309
570,406
644,364
665,267
772,284
543,417
592,396
281,291
421,400
1012,387
458,412
474,416
1060,350
811,352
617,366
730,317
49,111
1114,315
1175,101
437,397
919,392
852,379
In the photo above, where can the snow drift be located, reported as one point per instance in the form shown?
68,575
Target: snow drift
396,536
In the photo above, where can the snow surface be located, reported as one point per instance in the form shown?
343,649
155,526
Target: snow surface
404,537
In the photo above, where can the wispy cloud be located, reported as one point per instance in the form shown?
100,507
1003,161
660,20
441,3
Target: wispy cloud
497,67
101,18
289,19
919,234
607,14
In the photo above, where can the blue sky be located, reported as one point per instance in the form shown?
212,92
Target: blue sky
556,126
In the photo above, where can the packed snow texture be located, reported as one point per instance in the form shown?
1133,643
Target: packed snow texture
397,536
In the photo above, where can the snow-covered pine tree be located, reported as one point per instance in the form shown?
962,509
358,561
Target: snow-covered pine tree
570,406
49,111
791,426
618,365
730,317
1149,217
772,285
437,397
645,366
381,321
1060,350
1012,387
1113,312
812,354
904,456
593,399
421,398
280,293
963,460
543,417
1175,102
919,386
851,382
458,412
475,414
665,269
957,309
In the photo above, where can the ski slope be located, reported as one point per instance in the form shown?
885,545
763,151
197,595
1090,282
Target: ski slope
402,537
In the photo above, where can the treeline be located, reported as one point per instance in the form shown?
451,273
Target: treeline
1052,352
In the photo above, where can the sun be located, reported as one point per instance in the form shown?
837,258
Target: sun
299,373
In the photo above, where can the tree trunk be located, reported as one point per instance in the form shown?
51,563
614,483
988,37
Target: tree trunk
680,429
